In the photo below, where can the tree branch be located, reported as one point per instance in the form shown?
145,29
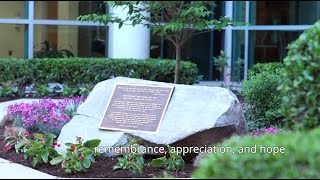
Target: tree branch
193,34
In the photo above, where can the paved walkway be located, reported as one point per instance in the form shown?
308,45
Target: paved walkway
10,170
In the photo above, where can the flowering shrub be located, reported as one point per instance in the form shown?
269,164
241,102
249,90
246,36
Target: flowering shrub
41,148
45,116
270,130
79,156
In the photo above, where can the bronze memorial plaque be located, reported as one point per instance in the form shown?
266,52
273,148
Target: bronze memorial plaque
136,108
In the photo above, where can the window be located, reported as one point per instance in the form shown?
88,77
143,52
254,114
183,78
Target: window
284,12
12,40
81,41
67,10
13,9
270,46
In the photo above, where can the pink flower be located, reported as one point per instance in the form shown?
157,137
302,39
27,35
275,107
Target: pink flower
81,158
27,134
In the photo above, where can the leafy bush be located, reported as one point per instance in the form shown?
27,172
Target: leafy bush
262,99
41,148
42,90
132,159
301,106
45,116
15,137
47,51
300,158
8,89
79,156
75,71
173,163
262,67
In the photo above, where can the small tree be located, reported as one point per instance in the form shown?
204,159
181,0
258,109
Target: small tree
176,21
220,62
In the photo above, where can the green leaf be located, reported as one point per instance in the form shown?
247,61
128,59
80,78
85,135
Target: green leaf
45,156
171,166
159,162
56,160
69,144
65,165
68,171
82,149
25,156
34,162
68,155
73,162
77,166
181,164
20,144
156,29
38,136
138,168
87,153
120,24
92,143
117,166
86,162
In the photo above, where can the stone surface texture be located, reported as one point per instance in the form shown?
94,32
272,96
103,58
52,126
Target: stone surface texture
194,112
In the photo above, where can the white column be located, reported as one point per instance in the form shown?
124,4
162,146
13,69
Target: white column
128,41
30,29
246,45
228,42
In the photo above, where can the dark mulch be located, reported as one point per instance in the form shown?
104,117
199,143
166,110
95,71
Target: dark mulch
103,168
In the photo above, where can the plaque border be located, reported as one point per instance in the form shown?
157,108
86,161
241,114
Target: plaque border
126,130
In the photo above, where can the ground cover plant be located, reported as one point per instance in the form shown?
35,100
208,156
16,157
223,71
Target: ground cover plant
45,116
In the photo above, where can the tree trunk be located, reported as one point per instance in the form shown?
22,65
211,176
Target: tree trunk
177,70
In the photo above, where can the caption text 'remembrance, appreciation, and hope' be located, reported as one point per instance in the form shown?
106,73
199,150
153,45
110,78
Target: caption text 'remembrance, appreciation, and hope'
185,150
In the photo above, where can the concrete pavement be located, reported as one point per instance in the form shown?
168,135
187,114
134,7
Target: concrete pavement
10,170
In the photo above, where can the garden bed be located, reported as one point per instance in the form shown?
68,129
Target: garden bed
103,168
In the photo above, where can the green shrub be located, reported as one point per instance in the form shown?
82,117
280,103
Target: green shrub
262,99
75,71
9,89
79,156
261,67
131,159
174,162
301,106
300,158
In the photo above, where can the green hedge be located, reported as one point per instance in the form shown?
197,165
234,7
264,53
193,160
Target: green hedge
93,70
300,159
301,106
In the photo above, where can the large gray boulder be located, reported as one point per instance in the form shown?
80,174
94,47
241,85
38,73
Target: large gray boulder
195,116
